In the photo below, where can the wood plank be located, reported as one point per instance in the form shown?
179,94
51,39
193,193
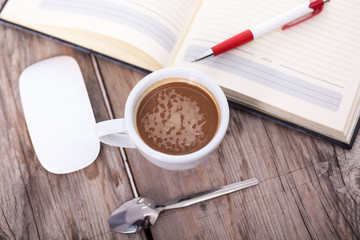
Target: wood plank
2,2
33,202
297,198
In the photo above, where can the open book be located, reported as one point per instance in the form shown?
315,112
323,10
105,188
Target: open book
307,75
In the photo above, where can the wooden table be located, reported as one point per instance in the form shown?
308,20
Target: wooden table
309,189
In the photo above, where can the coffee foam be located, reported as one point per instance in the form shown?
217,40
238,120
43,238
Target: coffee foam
175,124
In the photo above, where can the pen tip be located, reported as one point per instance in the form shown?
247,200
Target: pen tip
204,55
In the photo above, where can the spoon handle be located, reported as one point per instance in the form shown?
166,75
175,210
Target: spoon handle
206,195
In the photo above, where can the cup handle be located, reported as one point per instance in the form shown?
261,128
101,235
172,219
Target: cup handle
113,132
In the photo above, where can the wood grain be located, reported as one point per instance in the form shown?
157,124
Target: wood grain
35,204
298,196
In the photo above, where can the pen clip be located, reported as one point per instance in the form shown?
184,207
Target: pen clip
317,5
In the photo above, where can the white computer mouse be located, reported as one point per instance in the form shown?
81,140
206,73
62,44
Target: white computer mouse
59,115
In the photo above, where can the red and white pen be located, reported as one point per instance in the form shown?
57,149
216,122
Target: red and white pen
300,13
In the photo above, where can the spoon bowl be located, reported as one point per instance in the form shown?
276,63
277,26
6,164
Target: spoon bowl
134,215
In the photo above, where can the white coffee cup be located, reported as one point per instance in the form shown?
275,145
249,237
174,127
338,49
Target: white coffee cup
122,132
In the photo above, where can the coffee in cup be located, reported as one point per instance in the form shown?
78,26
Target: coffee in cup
177,116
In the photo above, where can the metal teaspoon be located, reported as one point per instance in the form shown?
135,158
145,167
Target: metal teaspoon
141,213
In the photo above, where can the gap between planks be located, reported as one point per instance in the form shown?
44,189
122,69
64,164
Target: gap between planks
111,116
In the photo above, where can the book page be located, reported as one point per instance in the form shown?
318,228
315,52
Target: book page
308,72
156,27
